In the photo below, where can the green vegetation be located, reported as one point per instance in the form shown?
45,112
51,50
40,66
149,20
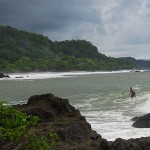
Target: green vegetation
41,143
35,143
15,126
141,64
25,51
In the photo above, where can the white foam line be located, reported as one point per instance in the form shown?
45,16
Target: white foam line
46,75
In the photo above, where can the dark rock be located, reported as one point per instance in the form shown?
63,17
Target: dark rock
95,136
142,122
131,144
135,118
58,116
4,76
74,132
59,106
137,71
19,77
104,145
44,115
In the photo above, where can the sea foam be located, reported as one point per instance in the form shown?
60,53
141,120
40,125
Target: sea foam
47,75
144,106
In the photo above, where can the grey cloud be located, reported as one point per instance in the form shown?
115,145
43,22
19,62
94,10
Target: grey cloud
52,15
127,24
107,24
141,51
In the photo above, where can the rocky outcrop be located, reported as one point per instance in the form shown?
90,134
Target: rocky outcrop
4,76
131,144
74,132
142,121
19,77
58,116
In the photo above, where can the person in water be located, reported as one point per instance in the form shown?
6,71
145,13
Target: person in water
132,93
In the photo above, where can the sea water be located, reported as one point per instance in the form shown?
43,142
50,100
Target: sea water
102,97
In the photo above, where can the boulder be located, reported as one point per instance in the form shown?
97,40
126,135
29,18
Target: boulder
4,76
58,116
142,121
131,144
19,77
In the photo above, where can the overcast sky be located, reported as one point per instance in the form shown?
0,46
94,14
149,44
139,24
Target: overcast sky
119,28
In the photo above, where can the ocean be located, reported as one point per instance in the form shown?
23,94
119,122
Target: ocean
102,97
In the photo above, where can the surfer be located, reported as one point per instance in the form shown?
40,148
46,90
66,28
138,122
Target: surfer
132,93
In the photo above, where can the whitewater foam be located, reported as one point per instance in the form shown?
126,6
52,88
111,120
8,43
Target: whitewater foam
144,106
47,75
115,122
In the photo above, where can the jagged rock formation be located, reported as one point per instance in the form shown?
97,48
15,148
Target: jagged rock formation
75,133
58,116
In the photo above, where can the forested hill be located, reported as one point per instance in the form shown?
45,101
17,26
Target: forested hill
141,64
26,51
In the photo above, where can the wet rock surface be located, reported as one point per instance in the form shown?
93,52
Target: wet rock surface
142,121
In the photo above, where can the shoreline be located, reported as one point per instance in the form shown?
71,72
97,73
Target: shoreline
48,75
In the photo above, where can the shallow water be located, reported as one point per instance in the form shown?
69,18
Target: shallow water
103,98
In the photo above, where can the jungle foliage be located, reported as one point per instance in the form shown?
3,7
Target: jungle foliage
16,127
25,51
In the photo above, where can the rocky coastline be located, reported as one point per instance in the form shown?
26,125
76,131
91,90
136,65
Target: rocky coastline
2,75
74,132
